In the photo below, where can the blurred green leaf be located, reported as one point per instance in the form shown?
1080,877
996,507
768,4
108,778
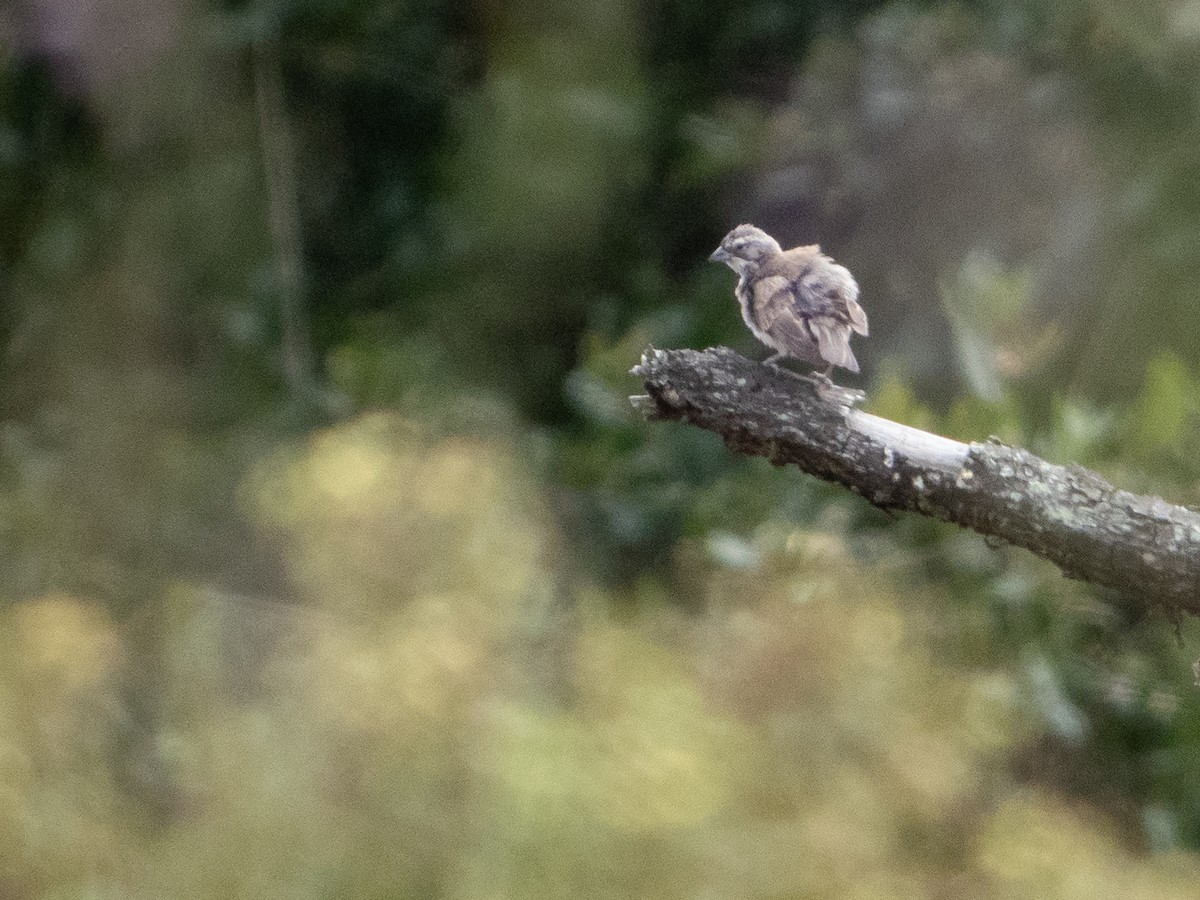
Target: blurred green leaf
1166,406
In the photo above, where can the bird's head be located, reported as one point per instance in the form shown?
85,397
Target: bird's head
745,246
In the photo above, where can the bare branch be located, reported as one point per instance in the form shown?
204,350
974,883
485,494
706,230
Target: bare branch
1142,546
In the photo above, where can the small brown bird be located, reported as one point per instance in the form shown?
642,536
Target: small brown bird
798,302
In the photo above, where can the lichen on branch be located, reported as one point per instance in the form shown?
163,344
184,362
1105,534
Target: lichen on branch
1142,546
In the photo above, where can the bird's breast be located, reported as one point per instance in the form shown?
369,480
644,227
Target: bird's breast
745,297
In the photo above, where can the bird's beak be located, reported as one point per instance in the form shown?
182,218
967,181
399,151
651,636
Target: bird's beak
720,255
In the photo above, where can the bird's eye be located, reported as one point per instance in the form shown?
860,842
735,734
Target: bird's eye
738,245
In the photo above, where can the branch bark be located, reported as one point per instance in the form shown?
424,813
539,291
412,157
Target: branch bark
1141,546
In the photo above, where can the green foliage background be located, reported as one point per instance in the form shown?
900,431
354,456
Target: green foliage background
336,563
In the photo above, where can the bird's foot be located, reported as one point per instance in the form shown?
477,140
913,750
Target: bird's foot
835,393
820,381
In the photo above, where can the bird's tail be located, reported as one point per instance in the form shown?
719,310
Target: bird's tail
833,343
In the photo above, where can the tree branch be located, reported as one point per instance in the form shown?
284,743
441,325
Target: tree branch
1141,546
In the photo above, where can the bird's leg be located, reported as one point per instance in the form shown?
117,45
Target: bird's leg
775,361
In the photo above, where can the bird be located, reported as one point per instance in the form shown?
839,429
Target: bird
798,302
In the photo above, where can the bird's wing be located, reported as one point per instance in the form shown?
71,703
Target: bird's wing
803,303
800,334
858,317
771,297
821,286
823,301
